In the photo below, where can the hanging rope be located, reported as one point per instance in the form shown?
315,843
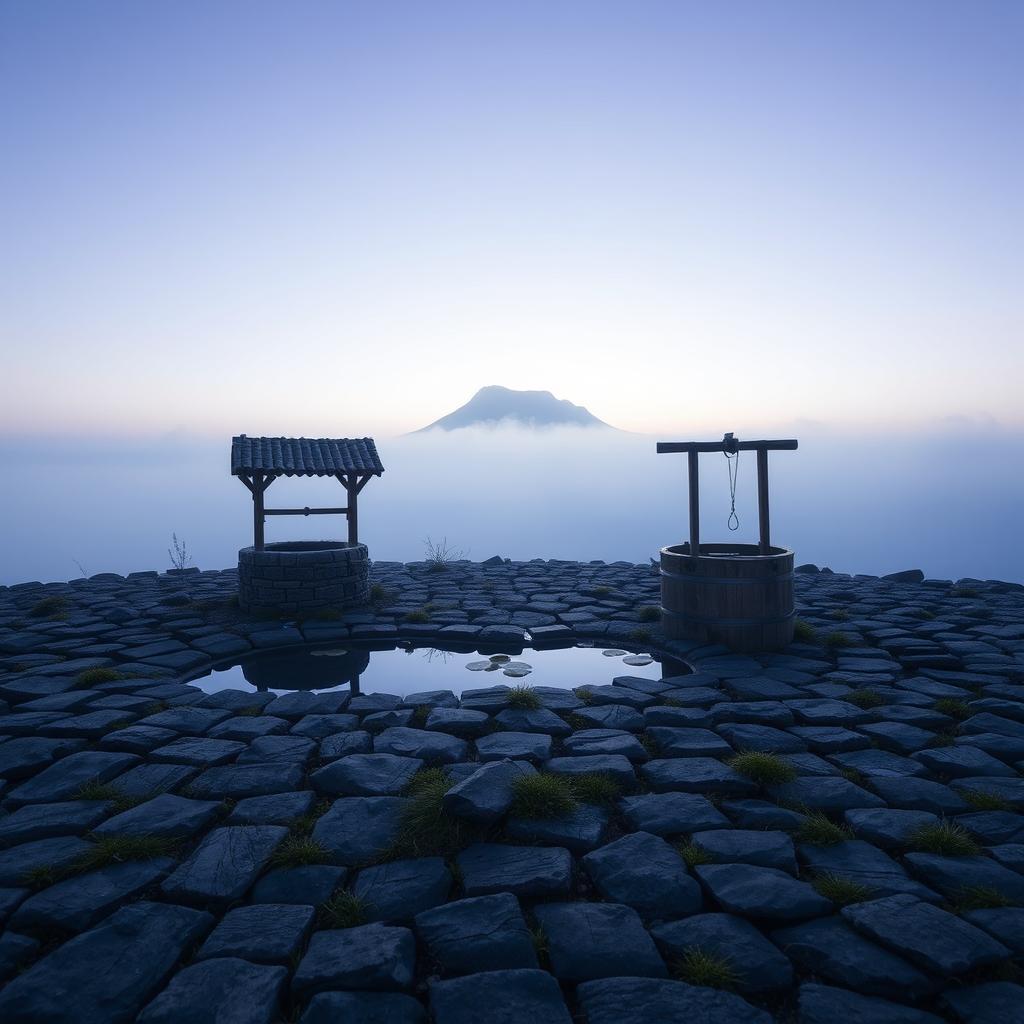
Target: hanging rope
732,465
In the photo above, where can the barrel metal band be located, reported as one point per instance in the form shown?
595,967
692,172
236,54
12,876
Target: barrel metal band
712,620
728,580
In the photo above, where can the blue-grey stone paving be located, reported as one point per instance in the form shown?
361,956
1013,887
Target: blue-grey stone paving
242,856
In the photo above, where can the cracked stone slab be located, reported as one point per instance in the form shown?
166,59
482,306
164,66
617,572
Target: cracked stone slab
225,864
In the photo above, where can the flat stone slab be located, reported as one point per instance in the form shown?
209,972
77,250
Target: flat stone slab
649,1000
668,814
580,831
833,951
605,741
487,794
366,775
369,957
80,902
199,751
521,870
888,827
765,849
695,775
510,997
308,885
597,940
273,809
358,829
429,747
43,821
238,781
226,990
225,864
400,889
264,933
958,876
757,964
930,938
822,1004
761,893
615,766
515,746
483,933
866,864
166,816
642,871
78,973
63,780
19,863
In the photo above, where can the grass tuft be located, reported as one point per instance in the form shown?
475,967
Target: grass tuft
584,694
818,829
540,942
804,632
420,716
693,854
523,696
343,910
983,800
649,613
119,849
640,635
542,795
864,698
954,707
595,788
835,640
842,891
980,897
92,676
763,768
298,850
417,615
49,606
105,791
427,829
946,838
700,967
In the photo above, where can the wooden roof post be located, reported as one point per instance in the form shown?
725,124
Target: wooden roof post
352,488
762,500
694,503
258,517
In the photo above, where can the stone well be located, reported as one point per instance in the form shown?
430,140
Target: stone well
303,576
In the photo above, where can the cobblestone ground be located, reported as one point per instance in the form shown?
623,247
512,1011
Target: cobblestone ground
830,833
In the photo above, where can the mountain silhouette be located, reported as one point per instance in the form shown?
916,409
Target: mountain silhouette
495,404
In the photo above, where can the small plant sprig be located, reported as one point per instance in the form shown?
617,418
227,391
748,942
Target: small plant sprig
440,556
179,554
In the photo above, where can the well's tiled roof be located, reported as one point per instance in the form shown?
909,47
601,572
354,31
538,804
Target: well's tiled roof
304,456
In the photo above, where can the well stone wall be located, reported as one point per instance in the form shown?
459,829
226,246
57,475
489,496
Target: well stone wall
303,576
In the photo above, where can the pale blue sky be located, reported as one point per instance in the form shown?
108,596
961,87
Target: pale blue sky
335,218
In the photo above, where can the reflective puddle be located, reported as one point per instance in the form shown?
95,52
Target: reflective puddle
404,668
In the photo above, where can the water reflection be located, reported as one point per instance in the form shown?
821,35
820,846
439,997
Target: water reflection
306,669
405,667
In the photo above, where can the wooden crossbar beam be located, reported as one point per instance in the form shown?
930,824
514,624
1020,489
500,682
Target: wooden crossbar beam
307,511
667,447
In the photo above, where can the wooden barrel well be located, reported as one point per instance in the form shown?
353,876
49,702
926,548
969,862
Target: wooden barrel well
729,593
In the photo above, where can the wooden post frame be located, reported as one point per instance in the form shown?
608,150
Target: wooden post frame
259,461
728,444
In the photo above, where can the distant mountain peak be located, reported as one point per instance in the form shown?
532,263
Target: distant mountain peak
495,404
